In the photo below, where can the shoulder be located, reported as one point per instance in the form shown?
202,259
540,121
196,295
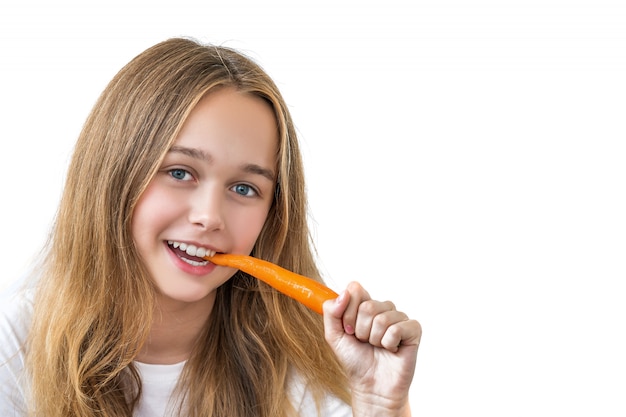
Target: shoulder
15,318
304,402
16,308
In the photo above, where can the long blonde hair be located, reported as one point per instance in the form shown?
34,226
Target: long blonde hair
95,301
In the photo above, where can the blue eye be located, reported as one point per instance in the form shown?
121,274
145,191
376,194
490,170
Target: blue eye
179,174
245,190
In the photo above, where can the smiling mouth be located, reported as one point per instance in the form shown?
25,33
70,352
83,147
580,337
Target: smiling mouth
190,254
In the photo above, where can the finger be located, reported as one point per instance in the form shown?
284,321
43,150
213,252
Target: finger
382,323
368,311
357,296
402,333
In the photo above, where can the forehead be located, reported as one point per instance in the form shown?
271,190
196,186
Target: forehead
230,125
228,108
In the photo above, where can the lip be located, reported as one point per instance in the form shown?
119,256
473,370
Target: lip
198,270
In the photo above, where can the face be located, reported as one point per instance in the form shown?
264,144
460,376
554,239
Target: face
212,192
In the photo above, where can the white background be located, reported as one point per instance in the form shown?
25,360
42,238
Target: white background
465,159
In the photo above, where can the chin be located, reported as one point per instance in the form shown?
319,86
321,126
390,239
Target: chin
187,295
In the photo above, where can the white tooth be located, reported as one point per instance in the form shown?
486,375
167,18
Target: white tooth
195,263
183,246
201,252
191,250
211,253
176,244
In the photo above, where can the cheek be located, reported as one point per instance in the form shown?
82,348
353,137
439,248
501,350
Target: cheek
246,229
140,225
150,213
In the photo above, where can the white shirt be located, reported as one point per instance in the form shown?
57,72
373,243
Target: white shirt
158,381
157,385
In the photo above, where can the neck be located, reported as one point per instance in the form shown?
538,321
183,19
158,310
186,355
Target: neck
175,330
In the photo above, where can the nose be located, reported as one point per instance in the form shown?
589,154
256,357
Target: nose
207,208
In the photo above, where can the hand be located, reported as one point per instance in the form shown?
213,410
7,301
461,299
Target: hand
377,346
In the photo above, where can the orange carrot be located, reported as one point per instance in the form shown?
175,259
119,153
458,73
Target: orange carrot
303,289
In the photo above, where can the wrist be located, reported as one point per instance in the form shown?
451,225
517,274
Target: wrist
369,405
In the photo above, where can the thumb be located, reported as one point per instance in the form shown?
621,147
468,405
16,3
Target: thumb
333,317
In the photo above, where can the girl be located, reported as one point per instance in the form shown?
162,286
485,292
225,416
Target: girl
191,150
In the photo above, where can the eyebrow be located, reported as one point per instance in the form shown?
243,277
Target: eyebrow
192,152
203,156
259,170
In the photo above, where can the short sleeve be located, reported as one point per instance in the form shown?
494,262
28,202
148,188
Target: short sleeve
15,316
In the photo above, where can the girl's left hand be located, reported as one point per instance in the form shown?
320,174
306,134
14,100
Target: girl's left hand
377,346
